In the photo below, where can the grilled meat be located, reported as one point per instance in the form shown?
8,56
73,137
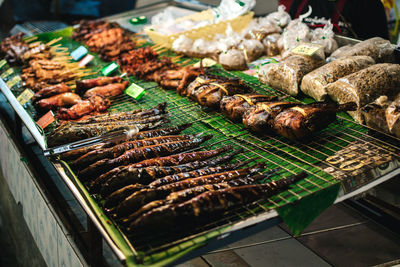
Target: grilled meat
60,100
118,150
260,118
125,175
95,103
142,197
235,106
298,122
206,204
209,91
12,48
108,90
51,91
83,85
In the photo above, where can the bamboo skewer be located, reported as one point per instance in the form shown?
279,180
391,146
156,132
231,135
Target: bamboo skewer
54,41
30,39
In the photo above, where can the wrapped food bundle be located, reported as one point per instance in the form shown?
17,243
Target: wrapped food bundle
379,49
233,59
271,44
325,37
252,49
383,114
287,74
281,18
314,83
365,86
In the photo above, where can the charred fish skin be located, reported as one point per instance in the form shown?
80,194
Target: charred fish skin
119,149
235,106
142,153
298,122
118,196
208,203
260,118
120,177
182,158
138,199
152,133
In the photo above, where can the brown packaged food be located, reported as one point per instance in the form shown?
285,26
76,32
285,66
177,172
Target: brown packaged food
364,86
271,44
287,74
379,49
314,83
374,114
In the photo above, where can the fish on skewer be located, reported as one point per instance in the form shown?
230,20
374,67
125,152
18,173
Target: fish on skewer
125,175
186,194
298,122
260,118
74,154
68,133
142,197
109,187
235,106
206,204
141,153
118,150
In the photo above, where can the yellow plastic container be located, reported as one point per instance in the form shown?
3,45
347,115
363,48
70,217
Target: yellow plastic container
207,32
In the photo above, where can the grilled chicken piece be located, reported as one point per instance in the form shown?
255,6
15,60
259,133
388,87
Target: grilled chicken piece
235,106
260,118
208,90
50,91
83,85
108,90
95,103
60,100
297,122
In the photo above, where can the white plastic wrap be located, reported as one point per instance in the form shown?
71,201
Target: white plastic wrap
296,33
325,37
229,9
280,18
233,59
252,49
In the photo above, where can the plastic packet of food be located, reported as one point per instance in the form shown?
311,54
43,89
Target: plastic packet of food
381,50
314,83
287,74
296,33
233,59
229,9
271,44
325,37
364,86
182,44
280,18
252,49
338,52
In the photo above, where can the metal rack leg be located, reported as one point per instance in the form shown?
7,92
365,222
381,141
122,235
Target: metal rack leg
95,245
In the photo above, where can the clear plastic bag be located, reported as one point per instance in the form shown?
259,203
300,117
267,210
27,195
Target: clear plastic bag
252,49
271,44
280,18
287,74
325,37
381,50
314,83
364,86
233,59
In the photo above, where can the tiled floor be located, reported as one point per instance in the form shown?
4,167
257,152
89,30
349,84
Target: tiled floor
339,237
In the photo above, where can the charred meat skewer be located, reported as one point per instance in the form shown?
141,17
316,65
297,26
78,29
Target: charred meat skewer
297,122
108,90
208,203
125,175
51,91
83,85
141,153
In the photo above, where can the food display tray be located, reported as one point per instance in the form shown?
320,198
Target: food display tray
322,185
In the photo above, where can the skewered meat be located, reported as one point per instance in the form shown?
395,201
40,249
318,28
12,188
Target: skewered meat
135,58
125,175
95,103
89,27
60,100
260,118
118,150
50,91
141,153
208,203
13,47
183,158
209,92
235,106
83,85
106,189
142,197
68,132
108,90
186,194
129,115
178,79
297,122
74,154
